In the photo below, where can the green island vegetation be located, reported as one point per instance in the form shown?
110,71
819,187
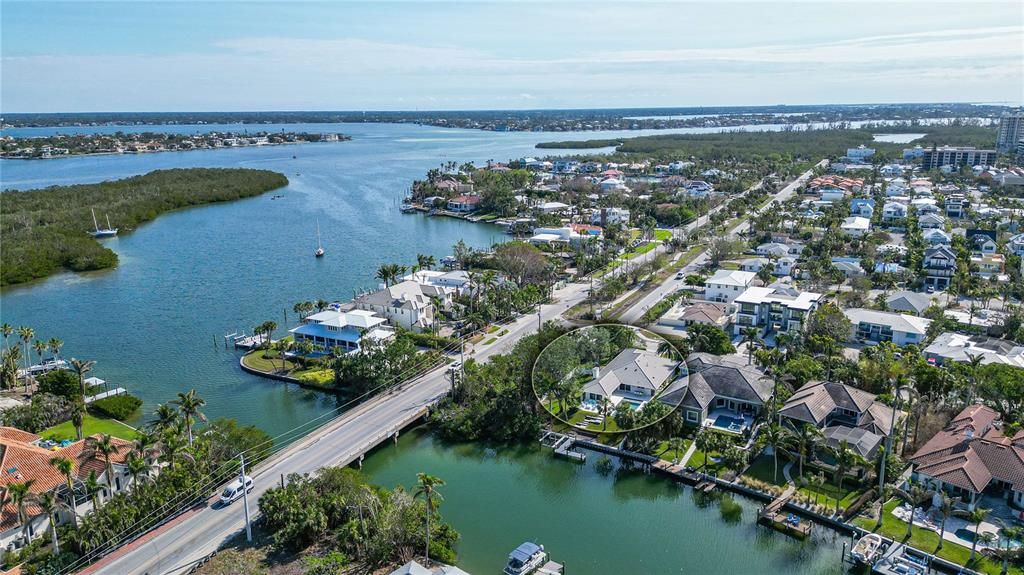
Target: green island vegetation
811,143
46,230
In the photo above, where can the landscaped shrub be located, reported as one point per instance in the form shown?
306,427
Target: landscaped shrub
61,383
44,411
116,407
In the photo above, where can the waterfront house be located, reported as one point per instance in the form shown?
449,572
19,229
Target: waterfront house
26,457
723,392
634,375
452,282
726,285
873,326
609,185
972,455
464,204
552,207
407,304
346,330
775,308
842,413
959,347
414,568
939,266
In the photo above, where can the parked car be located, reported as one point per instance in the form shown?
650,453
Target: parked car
234,490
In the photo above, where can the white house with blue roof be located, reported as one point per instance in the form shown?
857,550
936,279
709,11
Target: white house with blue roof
342,329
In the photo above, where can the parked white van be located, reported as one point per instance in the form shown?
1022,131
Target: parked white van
234,490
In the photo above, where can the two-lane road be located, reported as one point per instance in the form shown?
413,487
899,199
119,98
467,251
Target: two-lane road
178,546
672,284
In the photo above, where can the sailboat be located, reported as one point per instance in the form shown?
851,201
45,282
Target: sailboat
319,248
101,232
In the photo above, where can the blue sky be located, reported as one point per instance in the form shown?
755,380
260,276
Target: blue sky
194,56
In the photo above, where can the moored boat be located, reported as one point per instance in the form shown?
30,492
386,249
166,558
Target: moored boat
867,549
99,232
525,559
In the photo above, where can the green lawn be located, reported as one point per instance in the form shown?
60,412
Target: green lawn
928,541
90,426
255,359
663,451
762,468
662,235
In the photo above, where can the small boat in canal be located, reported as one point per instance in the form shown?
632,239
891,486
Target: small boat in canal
407,208
867,549
525,559
99,232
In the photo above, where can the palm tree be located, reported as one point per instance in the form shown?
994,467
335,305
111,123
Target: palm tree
40,348
675,444
66,467
807,438
6,330
267,328
104,446
282,347
81,368
189,405
606,408
389,273
138,469
26,334
913,496
773,436
427,489
946,508
750,337
172,444
166,417
145,446
93,488
50,505
973,368
55,345
21,496
845,459
975,517
78,418
425,261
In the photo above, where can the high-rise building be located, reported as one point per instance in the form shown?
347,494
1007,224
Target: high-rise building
950,156
1011,131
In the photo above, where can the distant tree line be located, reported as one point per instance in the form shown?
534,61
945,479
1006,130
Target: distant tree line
46,230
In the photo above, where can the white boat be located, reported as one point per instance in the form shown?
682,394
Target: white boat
319,248
867,549
101,232
407,208
525,559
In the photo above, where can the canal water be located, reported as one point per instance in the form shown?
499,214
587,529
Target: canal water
597,523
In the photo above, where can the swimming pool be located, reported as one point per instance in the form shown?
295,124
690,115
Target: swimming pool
635,405
730,423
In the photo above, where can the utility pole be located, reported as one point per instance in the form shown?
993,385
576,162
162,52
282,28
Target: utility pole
539,319
245,501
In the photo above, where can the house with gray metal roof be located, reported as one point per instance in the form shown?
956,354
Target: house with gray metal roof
842,413
634,374
722,391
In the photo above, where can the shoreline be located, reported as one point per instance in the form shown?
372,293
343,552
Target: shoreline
141,152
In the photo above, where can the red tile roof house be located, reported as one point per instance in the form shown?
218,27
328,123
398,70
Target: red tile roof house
464,203
971,456
23,459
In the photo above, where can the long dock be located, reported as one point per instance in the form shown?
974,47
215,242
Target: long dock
789,523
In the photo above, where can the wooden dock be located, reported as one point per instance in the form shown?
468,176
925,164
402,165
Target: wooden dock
562,445
788,523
